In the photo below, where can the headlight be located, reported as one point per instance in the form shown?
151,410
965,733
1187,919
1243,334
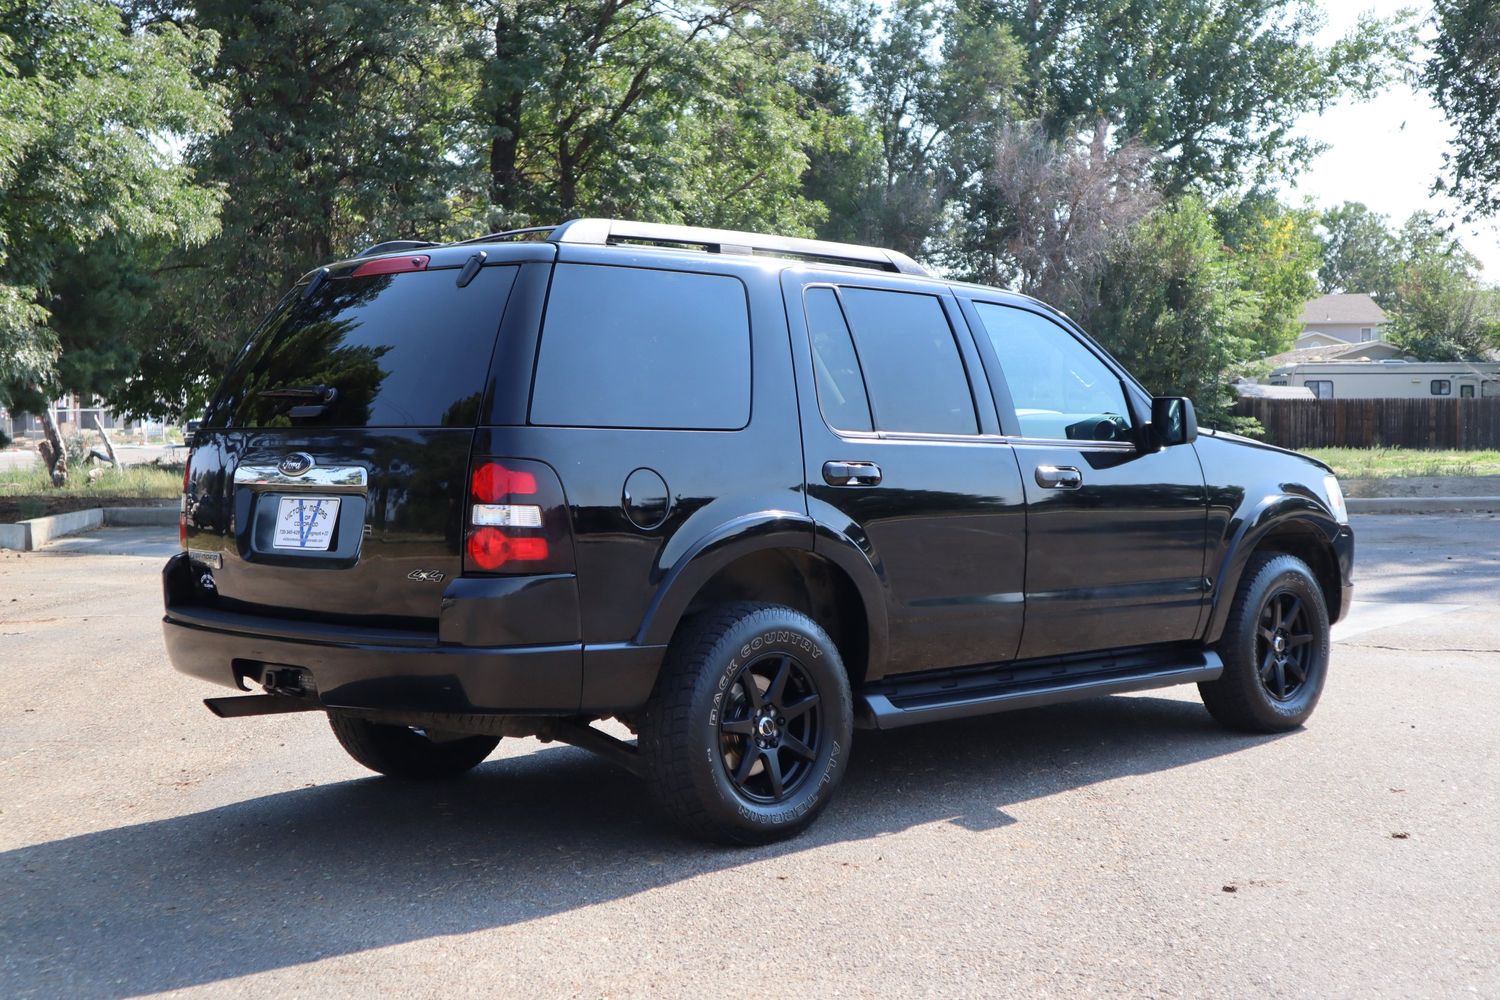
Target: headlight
1336,499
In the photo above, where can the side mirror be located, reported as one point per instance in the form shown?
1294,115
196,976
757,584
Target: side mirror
1174,420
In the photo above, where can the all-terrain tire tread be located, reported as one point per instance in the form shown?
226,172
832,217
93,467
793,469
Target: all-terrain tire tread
1233,699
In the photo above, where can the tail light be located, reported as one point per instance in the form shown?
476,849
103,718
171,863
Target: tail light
182,507
517,519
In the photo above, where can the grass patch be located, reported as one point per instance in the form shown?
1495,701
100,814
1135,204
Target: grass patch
28,493
138,481
1401,463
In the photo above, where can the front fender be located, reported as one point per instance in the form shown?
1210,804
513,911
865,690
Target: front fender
1249,529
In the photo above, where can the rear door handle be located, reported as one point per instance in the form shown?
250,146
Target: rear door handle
1058,477
851,473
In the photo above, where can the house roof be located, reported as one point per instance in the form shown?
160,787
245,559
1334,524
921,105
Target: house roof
1374,350
1344,308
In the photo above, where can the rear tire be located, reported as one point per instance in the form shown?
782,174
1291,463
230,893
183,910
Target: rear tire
747,733
1275,648
402,752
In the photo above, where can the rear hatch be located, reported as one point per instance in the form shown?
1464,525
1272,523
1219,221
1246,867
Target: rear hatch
327,481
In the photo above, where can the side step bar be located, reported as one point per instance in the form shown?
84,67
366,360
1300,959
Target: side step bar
241,706
932,699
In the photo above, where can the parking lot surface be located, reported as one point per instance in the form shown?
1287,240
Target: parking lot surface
1119,847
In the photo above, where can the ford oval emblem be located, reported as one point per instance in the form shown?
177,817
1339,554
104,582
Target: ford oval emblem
296,464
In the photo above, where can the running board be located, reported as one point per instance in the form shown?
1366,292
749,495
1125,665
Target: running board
933,697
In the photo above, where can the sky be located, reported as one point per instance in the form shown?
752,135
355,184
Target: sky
1386,152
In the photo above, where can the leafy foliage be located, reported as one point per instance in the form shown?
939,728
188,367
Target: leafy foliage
1173,310
1464,75
1441,312
1215,85
1419,274
90,113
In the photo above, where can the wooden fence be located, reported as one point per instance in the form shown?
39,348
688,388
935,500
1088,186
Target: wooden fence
1374,423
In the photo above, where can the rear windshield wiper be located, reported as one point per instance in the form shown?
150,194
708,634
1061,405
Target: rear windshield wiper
314,398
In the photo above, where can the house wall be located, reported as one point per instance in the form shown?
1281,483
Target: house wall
1347,332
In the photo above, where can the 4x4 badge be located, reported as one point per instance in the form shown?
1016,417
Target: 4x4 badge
298,463
426,575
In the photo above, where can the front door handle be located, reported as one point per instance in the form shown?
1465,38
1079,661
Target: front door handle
1058,477
851,473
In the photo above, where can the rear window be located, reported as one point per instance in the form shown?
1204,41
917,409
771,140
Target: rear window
400,350
635,347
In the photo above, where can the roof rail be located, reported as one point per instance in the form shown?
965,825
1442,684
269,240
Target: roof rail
539,233
393,246
603,232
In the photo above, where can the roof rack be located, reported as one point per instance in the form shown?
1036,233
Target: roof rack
604,232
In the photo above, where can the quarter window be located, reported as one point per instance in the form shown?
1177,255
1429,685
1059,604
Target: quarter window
1060,388
912,369
1442,387
634,347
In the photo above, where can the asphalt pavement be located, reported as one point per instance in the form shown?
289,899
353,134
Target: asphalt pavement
1118,847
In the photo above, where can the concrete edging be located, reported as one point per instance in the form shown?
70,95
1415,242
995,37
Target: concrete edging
28,536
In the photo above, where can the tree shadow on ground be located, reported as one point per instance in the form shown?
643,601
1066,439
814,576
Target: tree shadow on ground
341,868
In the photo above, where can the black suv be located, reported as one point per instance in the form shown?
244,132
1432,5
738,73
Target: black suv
743,493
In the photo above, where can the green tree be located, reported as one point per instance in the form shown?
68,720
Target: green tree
1463,73
341,134
1441,312
1360,253
641,108
1215,85
1276,253
91,117
1174,310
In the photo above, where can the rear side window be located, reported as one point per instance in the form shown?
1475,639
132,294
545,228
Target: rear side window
398,350
912,368
634,347
841,387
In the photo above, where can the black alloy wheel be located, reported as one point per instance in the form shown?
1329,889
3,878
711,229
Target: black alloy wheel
770,731
1284,645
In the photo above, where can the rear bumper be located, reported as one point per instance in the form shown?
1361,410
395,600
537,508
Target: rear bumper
395,671
542,680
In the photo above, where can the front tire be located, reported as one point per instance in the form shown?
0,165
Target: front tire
402,752
1275,648
747,734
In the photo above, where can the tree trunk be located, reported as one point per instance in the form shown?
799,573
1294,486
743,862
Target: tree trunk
57,462
505,98
109,446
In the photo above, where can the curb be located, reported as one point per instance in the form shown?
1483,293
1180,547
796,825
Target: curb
28,536
1423,505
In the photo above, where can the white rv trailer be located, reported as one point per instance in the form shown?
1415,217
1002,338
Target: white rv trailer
1392,379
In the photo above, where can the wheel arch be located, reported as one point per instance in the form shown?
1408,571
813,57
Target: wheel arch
1292,524
771,558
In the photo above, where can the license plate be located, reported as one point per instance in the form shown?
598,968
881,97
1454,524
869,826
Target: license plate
305,523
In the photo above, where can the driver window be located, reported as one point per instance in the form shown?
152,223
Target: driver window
1060,388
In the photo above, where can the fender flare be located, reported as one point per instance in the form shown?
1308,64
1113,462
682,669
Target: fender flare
1271,513
758,532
